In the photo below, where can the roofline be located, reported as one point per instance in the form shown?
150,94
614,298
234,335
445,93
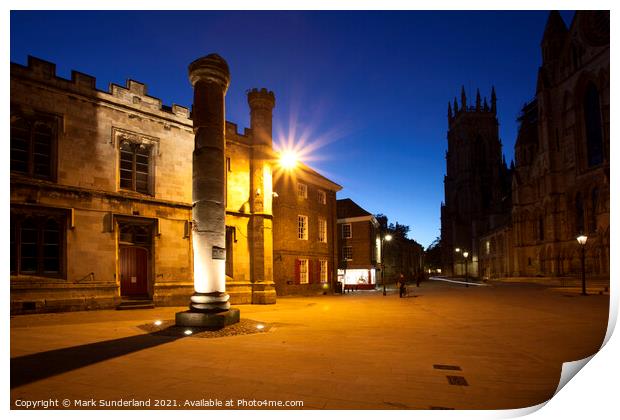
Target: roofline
312,172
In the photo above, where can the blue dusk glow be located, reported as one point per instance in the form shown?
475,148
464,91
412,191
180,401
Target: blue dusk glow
364,94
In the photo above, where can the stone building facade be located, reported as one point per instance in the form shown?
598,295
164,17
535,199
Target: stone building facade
101,196
359,246
304,231
560,182
477,182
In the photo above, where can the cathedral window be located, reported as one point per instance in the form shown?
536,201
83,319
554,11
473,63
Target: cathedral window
33,145
579,220
541,228
594,203
37,242
593,126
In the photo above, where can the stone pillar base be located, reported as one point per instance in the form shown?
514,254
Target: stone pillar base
264,297
207,320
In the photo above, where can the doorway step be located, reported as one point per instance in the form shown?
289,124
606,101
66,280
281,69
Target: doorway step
135,304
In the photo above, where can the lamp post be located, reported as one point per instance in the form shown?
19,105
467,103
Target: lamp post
454,262
388,238
465,255
582,239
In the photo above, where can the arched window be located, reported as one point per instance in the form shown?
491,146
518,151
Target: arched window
594,204
541,228
579,220
593,123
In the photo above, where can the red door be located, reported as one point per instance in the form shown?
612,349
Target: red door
133,271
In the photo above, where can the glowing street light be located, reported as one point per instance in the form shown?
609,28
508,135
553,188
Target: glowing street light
388,238
458,251
288,159
582,239
465,255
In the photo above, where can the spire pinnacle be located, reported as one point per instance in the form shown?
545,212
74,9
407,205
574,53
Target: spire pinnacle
477,99
493,100
449,111
463,98
456,106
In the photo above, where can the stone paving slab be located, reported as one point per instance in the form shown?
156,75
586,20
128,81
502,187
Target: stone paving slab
356,351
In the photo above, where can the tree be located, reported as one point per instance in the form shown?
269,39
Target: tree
432,255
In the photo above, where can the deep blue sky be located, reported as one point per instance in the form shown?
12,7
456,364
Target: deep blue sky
373,87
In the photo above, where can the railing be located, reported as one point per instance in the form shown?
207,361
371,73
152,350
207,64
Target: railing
90,276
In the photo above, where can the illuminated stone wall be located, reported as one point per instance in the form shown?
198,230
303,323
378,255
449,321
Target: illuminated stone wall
91,125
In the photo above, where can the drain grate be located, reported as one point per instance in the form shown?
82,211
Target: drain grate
457,380
447,367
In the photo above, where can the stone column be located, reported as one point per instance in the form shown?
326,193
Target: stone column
209,306
261,104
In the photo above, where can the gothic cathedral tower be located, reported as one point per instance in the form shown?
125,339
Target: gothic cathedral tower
477,182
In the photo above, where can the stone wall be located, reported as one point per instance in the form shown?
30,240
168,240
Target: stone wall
86,185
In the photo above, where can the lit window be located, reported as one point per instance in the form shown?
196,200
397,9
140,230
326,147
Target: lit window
302,190
323,230
346,231
322,197
303,271
488,247
324,276
347,253
134,166
302,227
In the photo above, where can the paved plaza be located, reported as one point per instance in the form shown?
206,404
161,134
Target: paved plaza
444,346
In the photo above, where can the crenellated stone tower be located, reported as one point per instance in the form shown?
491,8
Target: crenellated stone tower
261,104
477,181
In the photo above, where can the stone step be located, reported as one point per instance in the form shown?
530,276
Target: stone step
135,304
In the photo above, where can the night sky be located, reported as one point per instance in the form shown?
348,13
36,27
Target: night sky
366,93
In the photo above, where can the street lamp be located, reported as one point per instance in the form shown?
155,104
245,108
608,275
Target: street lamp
466,254
582,239
388,238
457,250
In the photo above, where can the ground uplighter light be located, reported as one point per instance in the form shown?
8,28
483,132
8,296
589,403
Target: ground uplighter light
158,322
187,332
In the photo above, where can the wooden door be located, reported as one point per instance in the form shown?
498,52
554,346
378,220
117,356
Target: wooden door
133,271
